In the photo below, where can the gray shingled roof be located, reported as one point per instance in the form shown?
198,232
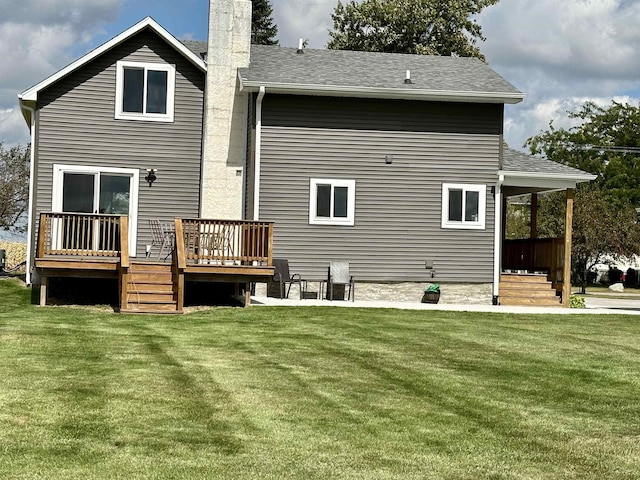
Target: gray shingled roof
369,70
515,161
196,46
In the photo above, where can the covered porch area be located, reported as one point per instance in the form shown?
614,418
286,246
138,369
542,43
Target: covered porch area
533,271
202,250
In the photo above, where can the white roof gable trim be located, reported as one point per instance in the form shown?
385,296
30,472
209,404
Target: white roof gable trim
32,93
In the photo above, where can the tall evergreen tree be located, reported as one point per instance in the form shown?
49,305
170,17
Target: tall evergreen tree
427,27
263,31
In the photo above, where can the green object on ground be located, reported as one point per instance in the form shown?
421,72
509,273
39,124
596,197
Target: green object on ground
433,288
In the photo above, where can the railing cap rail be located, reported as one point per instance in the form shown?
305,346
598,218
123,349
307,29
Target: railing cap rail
237,222
74,214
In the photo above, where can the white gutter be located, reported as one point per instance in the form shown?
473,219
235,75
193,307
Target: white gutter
497,249
31,188
256,170
377,92
577,177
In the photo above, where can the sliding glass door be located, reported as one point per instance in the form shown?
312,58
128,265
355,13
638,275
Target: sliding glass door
94,190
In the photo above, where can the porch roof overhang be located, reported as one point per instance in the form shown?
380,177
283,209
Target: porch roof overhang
527,173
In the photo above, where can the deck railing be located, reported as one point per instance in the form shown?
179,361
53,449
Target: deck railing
224,242
535,255
79,234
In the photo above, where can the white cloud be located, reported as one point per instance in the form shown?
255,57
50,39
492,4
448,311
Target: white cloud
307,19
13,129
561,54
37,38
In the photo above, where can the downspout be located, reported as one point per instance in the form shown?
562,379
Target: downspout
497,249
31,188
256,172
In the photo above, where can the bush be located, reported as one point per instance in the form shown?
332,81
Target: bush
632,278
615,275
576,301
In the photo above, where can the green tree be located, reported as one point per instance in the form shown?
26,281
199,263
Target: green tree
427,27
14,185
263,31
605,142
601,231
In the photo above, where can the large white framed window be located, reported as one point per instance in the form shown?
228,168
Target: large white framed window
103,190
463,206
332,201
145,91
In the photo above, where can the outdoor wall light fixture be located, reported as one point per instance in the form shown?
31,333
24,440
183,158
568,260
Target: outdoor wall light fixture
151,175
388,159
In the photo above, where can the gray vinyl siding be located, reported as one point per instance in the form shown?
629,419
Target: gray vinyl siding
76,126
381,114
398,207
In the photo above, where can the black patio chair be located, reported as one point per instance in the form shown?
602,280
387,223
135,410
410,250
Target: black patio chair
284,277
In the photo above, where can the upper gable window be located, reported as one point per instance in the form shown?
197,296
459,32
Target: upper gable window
145,91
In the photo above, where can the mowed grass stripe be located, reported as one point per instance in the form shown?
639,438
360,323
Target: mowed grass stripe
316,392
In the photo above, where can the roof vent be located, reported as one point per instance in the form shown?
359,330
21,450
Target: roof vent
407,79
300,45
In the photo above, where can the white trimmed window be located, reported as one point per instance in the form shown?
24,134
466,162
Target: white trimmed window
463,206
145,91
332,201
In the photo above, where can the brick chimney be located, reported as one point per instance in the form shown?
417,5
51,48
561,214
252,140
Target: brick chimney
225,121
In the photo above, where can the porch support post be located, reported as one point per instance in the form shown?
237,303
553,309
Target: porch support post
534,216
566,275
498,236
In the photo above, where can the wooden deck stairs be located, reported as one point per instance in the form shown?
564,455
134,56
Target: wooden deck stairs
532,290
150,288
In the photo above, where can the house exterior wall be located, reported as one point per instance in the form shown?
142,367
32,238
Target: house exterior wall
76,126
398,206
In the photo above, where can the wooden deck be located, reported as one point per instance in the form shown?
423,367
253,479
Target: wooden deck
96,246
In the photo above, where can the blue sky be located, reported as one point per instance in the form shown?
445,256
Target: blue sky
559,52
185,19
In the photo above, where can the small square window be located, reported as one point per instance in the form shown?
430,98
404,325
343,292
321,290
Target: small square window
145,91
463,206
332,202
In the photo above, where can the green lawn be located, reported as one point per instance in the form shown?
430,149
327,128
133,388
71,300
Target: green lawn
316,393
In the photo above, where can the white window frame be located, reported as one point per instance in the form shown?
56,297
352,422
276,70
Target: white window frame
349,220
147,117
58,178
482,206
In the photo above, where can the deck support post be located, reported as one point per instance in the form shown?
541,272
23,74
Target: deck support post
566,275
247,294
44,286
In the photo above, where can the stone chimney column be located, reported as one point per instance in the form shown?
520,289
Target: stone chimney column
225,121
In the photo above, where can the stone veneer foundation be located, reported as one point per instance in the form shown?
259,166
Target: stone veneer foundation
454,293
